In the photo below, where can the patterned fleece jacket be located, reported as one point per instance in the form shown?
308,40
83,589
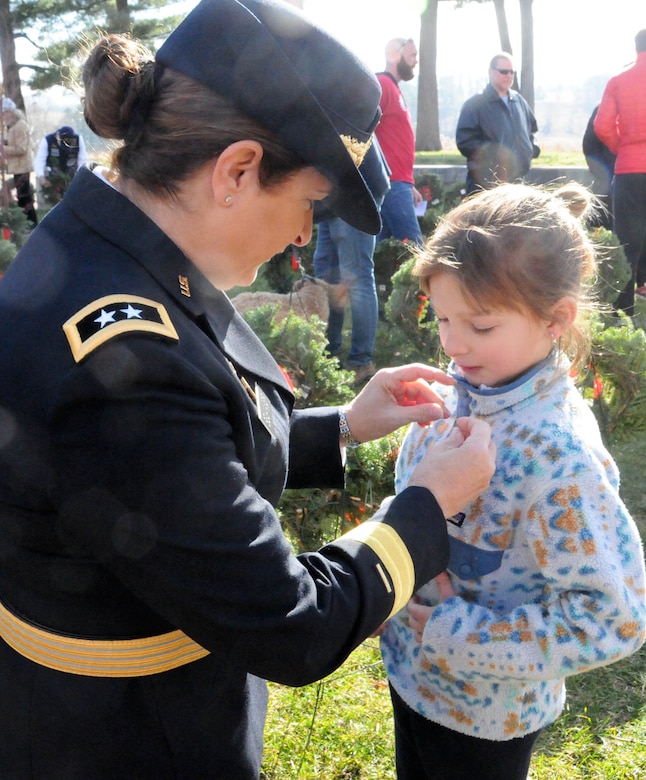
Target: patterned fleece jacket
547,566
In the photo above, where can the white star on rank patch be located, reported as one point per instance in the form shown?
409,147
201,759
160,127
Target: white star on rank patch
132,313
105,318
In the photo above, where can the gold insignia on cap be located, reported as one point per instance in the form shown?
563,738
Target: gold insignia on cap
356,149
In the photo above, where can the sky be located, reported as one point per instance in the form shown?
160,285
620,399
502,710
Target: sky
573,39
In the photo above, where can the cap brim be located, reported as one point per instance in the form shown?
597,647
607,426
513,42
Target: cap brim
351,199
354,204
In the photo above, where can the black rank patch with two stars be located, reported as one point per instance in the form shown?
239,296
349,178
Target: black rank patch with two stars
114,315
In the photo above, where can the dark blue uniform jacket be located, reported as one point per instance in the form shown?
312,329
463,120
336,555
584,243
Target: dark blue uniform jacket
137,486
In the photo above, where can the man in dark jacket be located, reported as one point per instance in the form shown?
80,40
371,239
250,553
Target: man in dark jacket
59,156
496,130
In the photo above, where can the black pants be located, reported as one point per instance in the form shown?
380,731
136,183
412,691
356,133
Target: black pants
426,751
629,211
25,196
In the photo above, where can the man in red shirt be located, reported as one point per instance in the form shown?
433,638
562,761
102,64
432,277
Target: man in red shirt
621,125
397,140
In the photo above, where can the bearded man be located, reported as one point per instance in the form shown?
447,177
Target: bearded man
396,137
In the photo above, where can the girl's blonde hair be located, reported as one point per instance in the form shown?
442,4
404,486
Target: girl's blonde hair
520,247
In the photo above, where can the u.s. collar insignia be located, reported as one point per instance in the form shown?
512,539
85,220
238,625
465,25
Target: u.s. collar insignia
112,316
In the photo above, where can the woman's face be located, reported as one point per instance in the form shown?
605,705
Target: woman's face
262,222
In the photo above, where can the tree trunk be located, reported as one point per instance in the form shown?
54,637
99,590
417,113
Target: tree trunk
527,38
503,33
10,70
121,22
503,27
427,136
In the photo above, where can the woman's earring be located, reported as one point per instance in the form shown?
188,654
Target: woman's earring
553,335
227,199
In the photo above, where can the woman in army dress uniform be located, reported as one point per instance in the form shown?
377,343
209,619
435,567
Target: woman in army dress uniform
146,434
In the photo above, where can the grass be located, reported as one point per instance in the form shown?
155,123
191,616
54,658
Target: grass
335,729
340,728
557,157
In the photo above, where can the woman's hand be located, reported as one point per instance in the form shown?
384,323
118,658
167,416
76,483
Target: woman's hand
459,468
395,397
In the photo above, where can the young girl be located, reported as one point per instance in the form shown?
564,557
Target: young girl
546,573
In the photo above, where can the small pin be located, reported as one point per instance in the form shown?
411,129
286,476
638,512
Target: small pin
184,286
250,391
450,422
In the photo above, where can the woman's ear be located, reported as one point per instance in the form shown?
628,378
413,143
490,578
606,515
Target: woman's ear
563,315
237,167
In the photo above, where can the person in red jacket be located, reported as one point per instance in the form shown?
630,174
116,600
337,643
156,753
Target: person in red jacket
621,125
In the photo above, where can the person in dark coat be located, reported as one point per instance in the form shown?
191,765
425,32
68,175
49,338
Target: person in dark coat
601,164
58,157
496,129
146,435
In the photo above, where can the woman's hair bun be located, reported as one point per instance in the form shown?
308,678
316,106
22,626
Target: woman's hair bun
113,77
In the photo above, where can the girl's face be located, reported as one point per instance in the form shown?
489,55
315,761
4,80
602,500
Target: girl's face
490,347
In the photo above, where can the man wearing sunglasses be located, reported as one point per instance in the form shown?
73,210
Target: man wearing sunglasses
496,129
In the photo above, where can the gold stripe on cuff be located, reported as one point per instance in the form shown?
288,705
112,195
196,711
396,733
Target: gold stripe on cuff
388,546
